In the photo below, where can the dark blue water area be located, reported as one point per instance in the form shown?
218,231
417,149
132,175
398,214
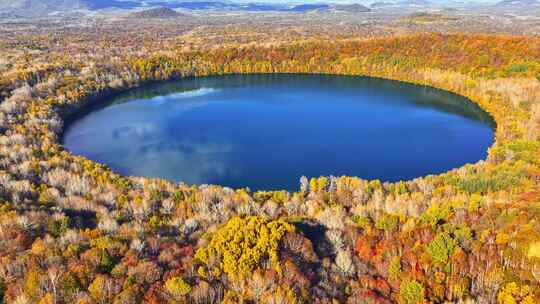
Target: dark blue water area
265,131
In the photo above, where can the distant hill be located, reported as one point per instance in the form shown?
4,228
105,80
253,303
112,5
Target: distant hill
40,4
518,3
258,7
160,12
415,2
42,8
101,4
309,7
352,8
381,4
66,4
197,5
402,3
427,17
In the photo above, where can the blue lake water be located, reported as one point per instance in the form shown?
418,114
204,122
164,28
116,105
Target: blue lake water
266,131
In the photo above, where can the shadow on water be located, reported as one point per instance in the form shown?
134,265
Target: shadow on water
422,96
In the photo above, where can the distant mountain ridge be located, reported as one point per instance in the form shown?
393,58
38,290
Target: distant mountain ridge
44,7
352,8
160,12
40,8
415,3
518,3
67,4
381,4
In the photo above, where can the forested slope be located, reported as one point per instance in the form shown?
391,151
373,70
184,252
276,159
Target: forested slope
72,231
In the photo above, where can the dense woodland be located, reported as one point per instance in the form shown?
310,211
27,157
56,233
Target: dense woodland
72,231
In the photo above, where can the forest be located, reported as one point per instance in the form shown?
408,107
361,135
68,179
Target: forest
73,231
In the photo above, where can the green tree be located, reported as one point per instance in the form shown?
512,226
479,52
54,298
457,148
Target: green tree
411,292
441,248
243,243
177,287
394,268
387,222
512,293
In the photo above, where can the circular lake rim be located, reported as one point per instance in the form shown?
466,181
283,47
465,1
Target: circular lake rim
96,101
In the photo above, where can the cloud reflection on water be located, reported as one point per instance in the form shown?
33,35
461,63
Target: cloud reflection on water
144,141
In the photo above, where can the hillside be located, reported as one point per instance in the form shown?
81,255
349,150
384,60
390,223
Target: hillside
74,231
161,12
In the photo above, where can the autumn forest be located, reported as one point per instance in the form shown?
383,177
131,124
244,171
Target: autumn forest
74,231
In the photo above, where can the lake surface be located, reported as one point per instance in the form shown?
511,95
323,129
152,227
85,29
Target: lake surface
266,131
